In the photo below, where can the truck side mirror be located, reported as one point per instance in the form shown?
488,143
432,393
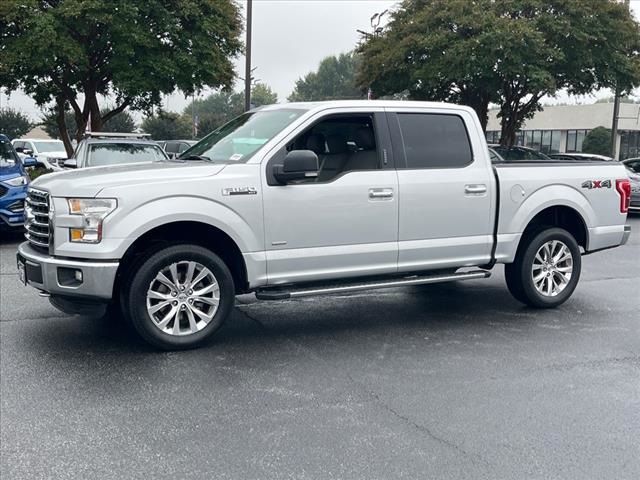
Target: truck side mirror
297,165
70,163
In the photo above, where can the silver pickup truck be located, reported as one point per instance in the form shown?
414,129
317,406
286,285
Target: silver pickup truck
308,199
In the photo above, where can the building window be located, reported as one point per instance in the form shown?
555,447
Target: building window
575,139
629,145
493,136
545,141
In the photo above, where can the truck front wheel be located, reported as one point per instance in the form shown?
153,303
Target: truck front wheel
546,269
179,296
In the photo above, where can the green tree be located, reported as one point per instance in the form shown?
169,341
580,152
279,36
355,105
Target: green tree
220,107
510,52
131,51
13,123
50,124
122,123
167,126
598,141
334,79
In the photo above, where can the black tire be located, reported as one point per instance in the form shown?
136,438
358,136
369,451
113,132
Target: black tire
134,292
519,274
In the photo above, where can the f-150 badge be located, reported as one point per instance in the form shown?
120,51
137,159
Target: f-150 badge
240,191
596,184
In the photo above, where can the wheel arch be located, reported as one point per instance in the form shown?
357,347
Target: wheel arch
188,231
561,216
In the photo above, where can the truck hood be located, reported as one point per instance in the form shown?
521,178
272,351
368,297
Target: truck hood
88,182
53,154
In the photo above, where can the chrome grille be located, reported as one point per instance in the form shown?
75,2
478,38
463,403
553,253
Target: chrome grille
38,228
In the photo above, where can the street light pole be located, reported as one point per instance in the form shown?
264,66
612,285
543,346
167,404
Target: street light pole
616,113
247,68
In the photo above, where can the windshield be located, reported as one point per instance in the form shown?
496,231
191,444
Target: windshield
48,146
118,153
238,140
8,156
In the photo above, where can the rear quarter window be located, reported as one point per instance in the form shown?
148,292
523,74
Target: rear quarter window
434,140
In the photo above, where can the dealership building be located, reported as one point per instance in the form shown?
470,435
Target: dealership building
562,128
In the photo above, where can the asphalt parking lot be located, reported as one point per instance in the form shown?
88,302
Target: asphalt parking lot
449,381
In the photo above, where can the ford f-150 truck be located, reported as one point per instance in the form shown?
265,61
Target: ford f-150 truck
314,198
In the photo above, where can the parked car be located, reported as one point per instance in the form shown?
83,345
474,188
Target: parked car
103,148
51,154
276,202
517,153
13,185
583,157
494,156
174,148
633,167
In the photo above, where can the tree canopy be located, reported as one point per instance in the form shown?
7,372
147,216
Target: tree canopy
511,52
334,79
122,122
220,107
14,124
168,126
598,141
71,52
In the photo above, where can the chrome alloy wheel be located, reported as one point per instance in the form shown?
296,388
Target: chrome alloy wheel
552,268
183,298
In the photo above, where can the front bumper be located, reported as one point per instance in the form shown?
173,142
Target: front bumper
56,276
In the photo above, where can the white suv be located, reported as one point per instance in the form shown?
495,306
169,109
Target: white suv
50,153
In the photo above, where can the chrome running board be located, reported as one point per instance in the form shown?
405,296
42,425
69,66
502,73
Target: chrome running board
285,292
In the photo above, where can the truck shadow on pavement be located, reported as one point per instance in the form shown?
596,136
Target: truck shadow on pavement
398,314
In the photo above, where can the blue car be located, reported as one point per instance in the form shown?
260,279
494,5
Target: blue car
13,186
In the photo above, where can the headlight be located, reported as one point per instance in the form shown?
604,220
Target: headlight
93,211
18,181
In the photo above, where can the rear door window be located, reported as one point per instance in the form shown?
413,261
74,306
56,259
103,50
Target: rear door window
434,140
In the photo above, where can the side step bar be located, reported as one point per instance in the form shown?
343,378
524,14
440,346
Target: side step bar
284,293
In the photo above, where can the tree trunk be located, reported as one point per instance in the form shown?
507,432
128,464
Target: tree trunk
479,101
510,125
62,127
92,108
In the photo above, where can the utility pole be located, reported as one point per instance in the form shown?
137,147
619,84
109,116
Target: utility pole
247,68
616,114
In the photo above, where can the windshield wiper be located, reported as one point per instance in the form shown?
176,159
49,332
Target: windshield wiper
195,157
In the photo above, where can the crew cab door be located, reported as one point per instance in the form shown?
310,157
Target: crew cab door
446,184
344,223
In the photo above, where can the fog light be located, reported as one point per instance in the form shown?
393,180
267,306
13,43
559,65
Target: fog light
69,277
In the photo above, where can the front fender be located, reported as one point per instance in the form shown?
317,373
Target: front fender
126,226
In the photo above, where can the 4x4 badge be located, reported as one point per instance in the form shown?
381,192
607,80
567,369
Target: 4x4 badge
596,184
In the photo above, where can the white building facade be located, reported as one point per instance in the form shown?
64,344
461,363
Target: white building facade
562,128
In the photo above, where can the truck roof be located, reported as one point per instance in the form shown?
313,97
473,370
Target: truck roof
364,103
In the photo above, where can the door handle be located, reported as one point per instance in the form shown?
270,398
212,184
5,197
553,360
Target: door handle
475,189
380,193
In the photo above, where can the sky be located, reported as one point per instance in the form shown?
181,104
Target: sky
290,38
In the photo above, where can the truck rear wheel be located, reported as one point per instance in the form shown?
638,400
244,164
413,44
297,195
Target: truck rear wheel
179,296
546,269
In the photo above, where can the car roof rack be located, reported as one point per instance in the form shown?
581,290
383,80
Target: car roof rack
144,136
